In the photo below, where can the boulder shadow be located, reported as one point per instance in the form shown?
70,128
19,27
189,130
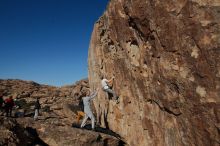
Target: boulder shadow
98,129
36,139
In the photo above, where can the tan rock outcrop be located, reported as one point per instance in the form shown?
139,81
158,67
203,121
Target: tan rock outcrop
57,123
165,56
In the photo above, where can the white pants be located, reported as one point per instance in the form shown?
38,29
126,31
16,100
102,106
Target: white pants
91,116
36,114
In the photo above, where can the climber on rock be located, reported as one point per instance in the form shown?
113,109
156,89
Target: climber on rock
87,109
105,86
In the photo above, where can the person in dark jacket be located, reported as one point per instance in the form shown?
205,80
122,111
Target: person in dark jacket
9,104
1,103
36,108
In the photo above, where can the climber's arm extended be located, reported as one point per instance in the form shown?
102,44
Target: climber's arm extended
109,81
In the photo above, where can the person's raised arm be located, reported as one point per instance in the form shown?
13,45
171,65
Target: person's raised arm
109,81
94,94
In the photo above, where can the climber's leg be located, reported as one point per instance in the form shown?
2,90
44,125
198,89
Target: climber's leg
92,117
84,121
112,92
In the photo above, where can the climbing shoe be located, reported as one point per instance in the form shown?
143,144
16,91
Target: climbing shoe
117,101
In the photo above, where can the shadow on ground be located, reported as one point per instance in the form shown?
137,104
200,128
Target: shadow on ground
98,129
101,130
36,140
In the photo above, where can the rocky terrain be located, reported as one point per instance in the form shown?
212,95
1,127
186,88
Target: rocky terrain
57,124
165,56
13,134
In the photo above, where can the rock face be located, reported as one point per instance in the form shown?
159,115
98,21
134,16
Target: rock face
165,56
54,126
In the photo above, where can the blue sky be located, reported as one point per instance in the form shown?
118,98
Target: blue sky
47,41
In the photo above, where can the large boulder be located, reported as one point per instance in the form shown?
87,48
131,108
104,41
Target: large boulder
165,56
